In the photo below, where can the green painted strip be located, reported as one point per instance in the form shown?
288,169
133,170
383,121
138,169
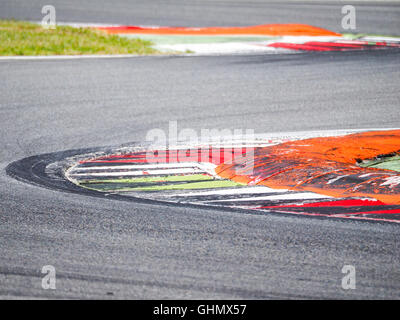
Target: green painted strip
113,184
195,185
390,163
152,179
354,36
121,186
183,39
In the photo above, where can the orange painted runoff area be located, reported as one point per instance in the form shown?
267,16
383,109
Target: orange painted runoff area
326,166
293,29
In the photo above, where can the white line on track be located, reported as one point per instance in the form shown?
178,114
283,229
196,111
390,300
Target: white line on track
64,57
146,166
286,196
138,173
235,191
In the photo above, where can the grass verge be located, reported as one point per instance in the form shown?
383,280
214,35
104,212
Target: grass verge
19,38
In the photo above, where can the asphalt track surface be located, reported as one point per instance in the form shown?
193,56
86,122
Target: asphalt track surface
372,16
113,249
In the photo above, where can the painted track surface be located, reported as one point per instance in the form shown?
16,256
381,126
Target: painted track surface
154,251
263,176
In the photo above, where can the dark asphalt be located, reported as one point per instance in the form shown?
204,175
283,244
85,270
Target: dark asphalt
151,251
373,17
113,249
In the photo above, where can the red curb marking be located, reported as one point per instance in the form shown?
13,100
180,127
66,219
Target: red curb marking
280,166
205,154
266,30
331,46
323,165
339,203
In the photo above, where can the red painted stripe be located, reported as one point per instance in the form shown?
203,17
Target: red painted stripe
328,46
266,30
392,211
334,203
299,46
343,216
361,42
335,44
205,154
373,43
113,161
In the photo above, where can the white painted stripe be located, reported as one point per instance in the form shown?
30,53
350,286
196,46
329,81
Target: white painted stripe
293,196
234,191
138,173
217,48
146,166
379,39
267,139
64,57
235,47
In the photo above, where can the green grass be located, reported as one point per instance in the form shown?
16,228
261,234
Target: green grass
19,38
